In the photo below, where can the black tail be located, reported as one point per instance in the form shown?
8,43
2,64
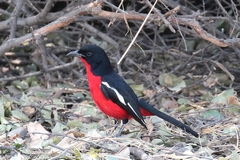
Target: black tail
166,117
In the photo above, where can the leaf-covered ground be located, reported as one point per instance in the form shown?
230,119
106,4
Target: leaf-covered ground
63,122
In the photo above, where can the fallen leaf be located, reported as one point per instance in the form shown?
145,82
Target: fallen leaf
17,156
172,82
65,143
169,103
37,134
149,93
223,97
29,110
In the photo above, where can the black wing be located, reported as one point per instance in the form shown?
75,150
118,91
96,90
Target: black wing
119,92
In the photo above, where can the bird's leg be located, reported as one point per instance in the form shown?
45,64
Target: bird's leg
124,121
115,125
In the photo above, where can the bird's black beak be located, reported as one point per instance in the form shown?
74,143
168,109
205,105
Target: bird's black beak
75,54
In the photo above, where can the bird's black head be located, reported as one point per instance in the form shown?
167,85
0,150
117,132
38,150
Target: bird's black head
95,57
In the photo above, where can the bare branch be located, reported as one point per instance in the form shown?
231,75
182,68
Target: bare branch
156,11
100,34
60,22
39,72
47,8
5,12
94,9
14,18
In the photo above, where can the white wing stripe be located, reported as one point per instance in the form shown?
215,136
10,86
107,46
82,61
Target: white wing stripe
120,97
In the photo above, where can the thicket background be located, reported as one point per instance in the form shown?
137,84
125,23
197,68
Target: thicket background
184,61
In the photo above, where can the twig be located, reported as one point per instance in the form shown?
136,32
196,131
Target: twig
14,18
60,155
156,11
135,37
60,22
15,62
42,52
100,34
38,72
82,140
30,5
62,63
11,148
224,11
203,34
184,41
46,8
5,12
64,150
117,8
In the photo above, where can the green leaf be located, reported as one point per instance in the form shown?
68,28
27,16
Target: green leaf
207,97
138,89
1,108
223,97
162,28
43,93
101,44
178,85
164,132
32,81
230,131
58,103
2,129
22,85
191,44
19,115
24,100
157,141
78,95
91,126
93,153
129,81
77,153
64,85
235,155
87,110
56,139
183,101
112,157
74,123
172,82
213,114
47,114
55,115
17,145
235,109
58,128
183,108
5,106
3,120
12,89
46,142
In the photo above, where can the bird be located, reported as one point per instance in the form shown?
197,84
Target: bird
112,95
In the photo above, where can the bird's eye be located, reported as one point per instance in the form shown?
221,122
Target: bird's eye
88,54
